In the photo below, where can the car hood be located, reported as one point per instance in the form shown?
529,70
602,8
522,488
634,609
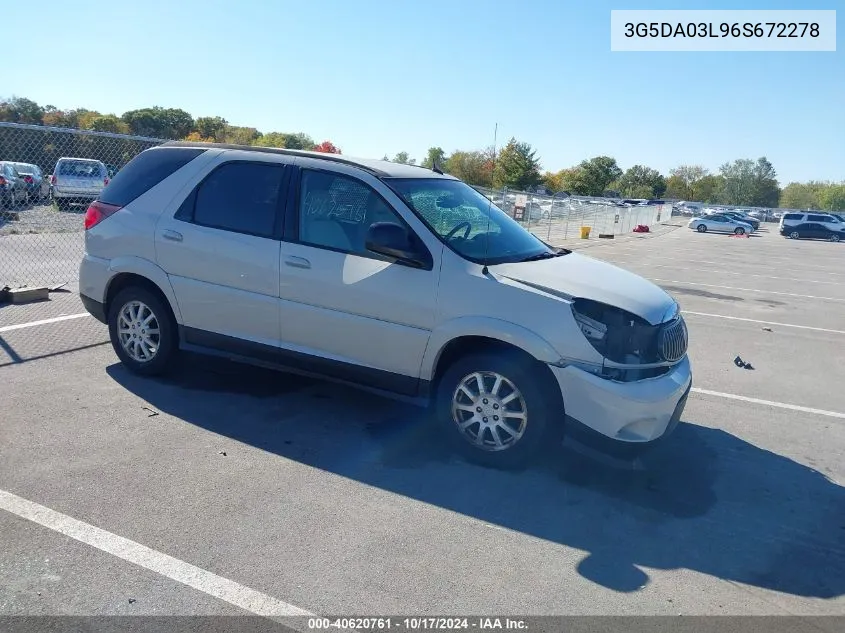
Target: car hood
578,276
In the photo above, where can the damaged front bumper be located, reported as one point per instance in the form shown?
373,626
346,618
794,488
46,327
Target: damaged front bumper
610,414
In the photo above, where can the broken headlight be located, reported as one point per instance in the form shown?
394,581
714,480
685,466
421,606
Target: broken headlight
618,335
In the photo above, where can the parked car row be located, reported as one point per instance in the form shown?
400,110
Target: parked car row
813,226
74,180
725,222
22,183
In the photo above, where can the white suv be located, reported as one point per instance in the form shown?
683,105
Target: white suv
391,277
819,217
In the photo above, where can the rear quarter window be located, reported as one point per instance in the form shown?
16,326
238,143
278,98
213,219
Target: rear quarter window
145,171
819,218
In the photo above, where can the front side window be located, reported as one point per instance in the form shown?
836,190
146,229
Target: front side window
335,212
240,197
470,224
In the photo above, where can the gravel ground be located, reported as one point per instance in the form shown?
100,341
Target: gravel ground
42,218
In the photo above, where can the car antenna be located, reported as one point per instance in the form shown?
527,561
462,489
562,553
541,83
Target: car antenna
435,167
485,270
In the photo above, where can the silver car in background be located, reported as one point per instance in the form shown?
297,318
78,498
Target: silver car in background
78,180
720,223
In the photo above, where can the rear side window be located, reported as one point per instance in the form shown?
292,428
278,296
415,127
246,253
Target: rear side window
818,218
793,216
242,197
80,169
144,172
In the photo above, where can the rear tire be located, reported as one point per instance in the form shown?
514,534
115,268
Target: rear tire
739,231
142,331
701,228
834,238
514,412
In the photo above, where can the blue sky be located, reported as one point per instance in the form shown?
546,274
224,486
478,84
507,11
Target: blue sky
380,76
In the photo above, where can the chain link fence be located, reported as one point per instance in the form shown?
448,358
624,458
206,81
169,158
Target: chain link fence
41,244
560,217
41,237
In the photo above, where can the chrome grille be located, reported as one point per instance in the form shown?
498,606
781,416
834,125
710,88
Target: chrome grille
673,340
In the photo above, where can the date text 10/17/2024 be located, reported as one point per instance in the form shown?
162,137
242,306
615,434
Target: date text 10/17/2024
417,623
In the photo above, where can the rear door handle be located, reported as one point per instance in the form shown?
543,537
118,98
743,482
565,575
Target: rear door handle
173,236
298,262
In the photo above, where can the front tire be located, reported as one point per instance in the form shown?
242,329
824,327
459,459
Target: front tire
142,331
739,231
701,228
834,238
492,409
794,235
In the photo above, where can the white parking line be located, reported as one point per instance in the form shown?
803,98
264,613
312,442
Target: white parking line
734,318
770,292
728,272
770,403
141,555
20,326
792,265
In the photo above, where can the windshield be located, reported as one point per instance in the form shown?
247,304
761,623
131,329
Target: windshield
469,224
80,168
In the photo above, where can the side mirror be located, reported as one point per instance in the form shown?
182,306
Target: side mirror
394,241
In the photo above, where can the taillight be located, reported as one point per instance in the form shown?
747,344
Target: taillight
105,182
28,179
2,181
53,179
97,212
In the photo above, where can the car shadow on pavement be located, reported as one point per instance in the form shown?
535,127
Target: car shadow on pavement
707,501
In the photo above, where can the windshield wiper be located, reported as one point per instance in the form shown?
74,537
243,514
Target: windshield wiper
545,255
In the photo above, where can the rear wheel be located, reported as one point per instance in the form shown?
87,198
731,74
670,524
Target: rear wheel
492,409
142,331
739,231
834,238
701,228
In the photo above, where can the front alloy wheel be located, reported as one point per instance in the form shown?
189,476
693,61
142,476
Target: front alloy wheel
794,235
702,228
489,411
739,231
495,407
834,238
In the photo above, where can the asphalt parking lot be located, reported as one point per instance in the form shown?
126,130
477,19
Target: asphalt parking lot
230,489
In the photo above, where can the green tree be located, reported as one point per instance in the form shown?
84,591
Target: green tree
683,182
766,188
641,182
517,166
833,198
474,168
595,175
272,139
109,123
21,110
213,127
802,195
299,140
240,135
434,155
158,122
401,158
710,189
751,183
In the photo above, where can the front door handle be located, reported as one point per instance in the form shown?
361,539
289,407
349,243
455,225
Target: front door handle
173,236
298,262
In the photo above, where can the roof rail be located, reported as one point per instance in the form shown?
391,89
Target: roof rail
279,150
